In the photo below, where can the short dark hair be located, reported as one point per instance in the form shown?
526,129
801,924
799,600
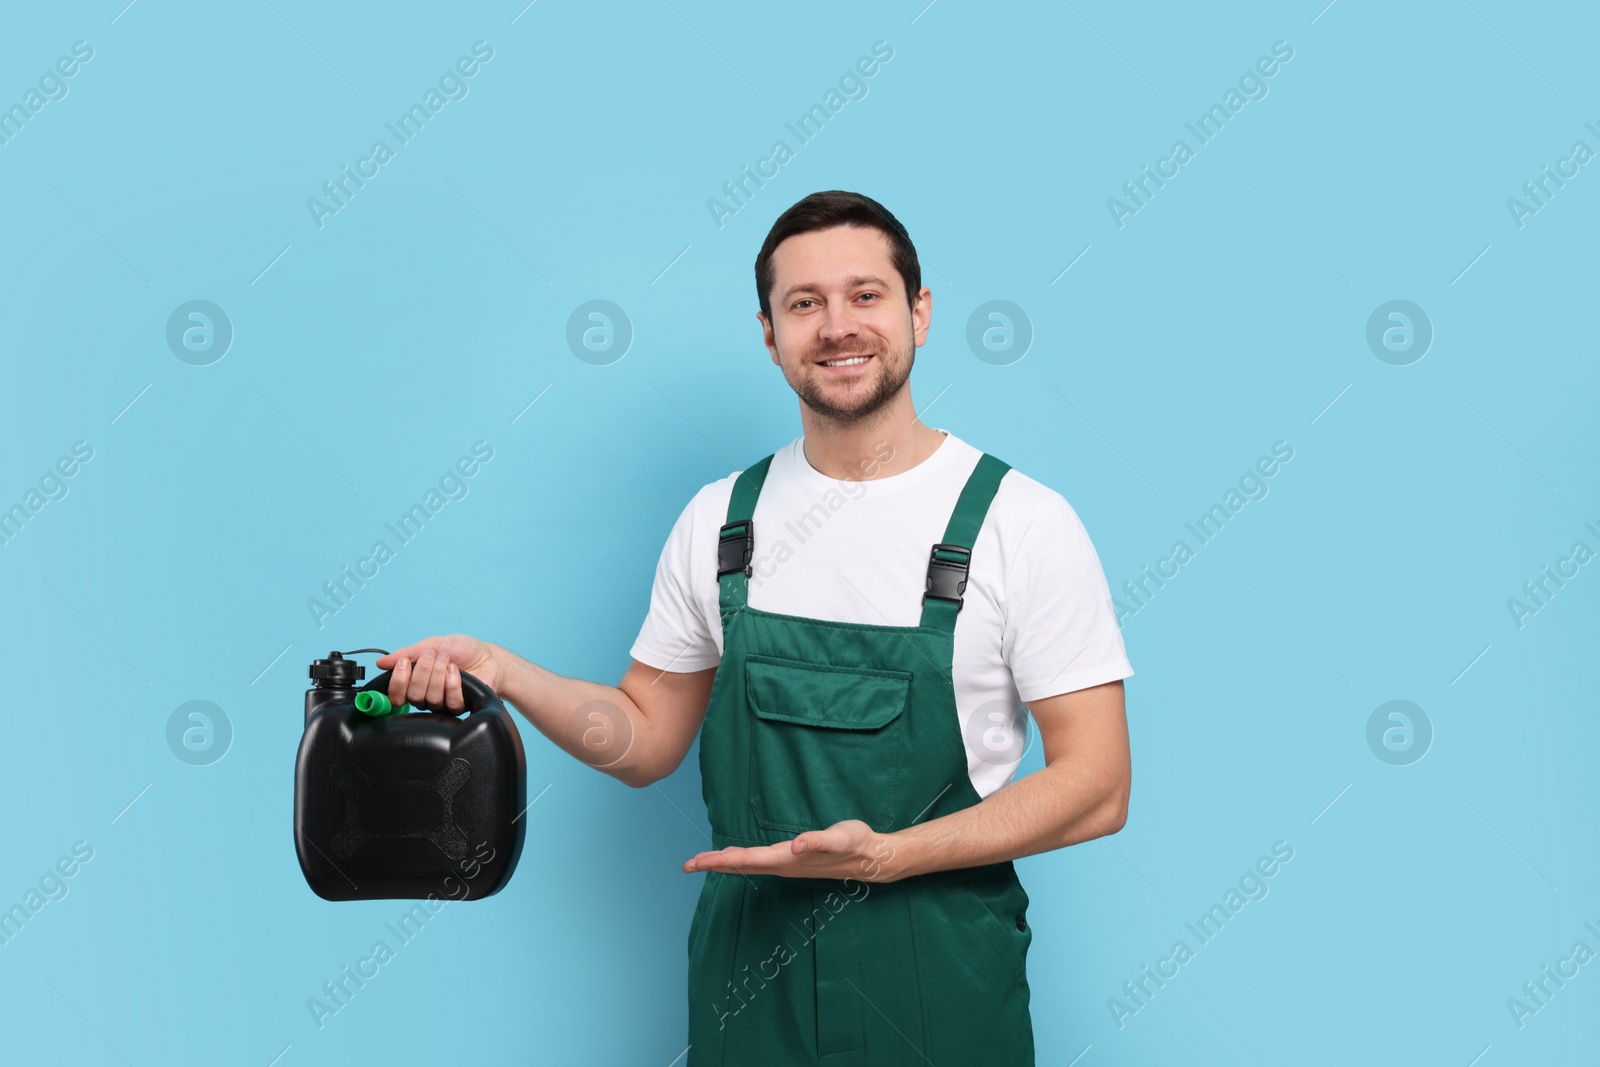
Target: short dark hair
834,207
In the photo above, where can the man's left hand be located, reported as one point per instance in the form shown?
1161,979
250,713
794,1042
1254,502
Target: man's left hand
848,849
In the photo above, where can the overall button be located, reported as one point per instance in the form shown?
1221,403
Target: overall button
1020,924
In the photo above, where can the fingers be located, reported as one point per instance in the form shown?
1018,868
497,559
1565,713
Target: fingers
453,699
423,675
428,683
421,678
399,680
401,665
760,859
441,664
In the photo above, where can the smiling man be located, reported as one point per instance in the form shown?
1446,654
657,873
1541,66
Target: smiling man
859,703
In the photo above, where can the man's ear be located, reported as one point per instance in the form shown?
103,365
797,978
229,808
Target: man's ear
768,339
922,317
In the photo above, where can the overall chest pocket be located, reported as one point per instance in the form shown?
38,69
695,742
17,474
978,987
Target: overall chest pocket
826,743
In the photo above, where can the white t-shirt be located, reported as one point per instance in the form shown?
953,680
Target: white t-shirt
1036,618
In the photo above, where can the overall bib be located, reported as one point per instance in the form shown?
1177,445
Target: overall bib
811,722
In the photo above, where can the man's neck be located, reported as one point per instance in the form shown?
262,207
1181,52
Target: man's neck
875,448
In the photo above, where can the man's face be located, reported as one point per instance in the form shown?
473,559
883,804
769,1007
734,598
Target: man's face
836,294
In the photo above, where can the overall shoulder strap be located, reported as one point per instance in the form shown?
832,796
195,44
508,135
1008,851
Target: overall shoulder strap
949,560
736,539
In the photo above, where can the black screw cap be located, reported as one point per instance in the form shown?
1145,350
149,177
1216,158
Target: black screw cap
336,672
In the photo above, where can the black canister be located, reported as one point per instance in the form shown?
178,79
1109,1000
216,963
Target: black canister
418,805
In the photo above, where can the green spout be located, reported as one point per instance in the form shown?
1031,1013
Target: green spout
371,702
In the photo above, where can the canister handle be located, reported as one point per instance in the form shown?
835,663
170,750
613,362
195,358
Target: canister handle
476,695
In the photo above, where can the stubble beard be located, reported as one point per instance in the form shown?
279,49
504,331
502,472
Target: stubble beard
891,378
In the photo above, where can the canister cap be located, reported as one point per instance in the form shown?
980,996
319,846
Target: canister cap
336,671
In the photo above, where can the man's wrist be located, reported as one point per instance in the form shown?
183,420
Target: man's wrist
511,674
895,856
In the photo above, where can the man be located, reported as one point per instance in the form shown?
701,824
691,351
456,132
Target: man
854,620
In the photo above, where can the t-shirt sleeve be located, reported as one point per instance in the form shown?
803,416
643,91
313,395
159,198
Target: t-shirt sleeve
676,635
1061,630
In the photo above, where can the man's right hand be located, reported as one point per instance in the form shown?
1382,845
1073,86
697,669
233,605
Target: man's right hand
427,674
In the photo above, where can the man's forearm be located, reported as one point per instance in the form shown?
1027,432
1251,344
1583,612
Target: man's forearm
599,724
1051,808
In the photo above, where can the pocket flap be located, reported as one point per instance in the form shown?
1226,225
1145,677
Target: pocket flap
849,698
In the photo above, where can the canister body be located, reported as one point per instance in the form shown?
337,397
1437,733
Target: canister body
407,806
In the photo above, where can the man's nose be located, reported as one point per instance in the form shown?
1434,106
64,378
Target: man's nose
839,322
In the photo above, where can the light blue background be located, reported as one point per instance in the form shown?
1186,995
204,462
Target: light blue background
370,353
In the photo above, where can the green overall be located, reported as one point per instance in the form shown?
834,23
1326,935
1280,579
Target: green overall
811,722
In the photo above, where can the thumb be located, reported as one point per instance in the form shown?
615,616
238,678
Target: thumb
811,841
409,652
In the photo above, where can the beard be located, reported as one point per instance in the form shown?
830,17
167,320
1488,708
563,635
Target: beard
893,369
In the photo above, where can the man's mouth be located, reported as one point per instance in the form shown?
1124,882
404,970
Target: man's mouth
846,361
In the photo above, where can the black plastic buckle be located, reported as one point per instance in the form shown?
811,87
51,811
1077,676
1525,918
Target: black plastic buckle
734,551
947,580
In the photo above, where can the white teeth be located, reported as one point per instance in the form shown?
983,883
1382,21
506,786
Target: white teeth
851,362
